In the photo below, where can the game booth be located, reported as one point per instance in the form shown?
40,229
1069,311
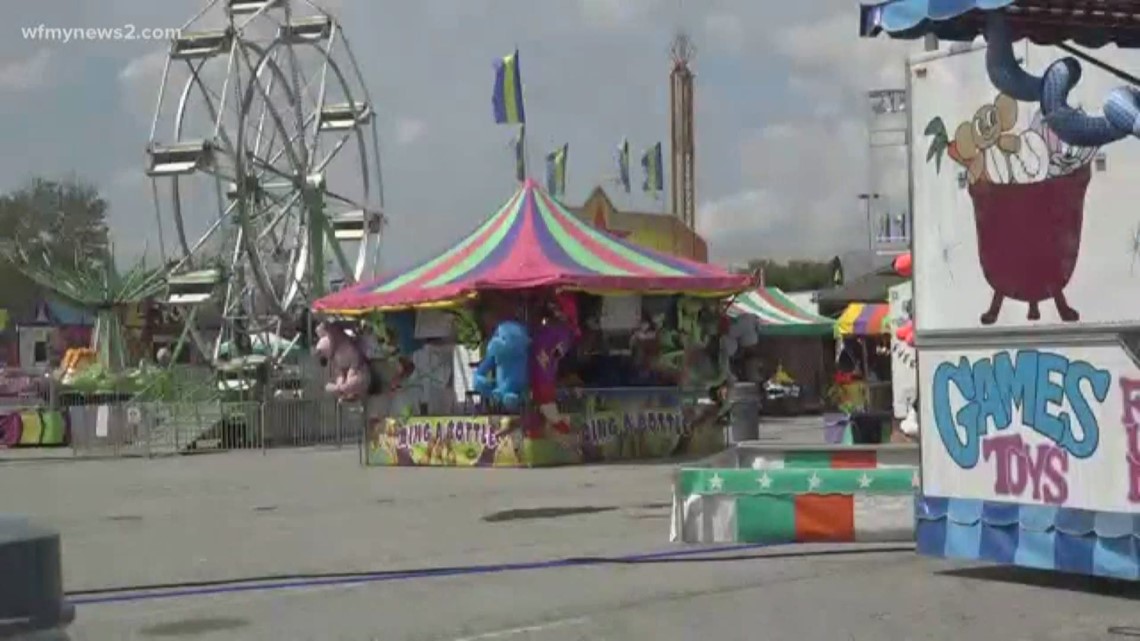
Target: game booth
849,489
787,344
863,357
536,340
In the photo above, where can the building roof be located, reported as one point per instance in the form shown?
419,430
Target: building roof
869,288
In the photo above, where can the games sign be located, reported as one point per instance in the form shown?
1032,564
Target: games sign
1047,426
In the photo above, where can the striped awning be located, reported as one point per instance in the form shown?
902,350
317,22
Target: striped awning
864,319
778,315
1042,21
535,242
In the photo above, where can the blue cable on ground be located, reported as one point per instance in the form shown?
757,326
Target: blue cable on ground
127,595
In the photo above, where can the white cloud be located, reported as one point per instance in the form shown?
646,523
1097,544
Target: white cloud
725,32
409,130
800,176
779,165
615,14
29,73
139,79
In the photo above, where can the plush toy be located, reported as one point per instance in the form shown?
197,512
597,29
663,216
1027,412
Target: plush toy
502,374
350,375
552,341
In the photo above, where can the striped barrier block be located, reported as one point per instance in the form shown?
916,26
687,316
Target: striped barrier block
825,456
793,505
1050,538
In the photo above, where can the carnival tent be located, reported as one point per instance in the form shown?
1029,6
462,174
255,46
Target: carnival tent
779,315
863,319
1042,21
534,241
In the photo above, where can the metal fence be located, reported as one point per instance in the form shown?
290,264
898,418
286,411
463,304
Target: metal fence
183,413
166,428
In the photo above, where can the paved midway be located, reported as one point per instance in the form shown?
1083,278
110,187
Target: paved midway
247,516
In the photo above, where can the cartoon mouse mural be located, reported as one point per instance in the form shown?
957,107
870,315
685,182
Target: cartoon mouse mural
1028,188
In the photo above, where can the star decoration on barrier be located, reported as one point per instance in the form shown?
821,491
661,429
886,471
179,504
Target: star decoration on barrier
865,481
814,481
765,481
716,483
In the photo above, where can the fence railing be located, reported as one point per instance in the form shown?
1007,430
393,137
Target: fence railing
109,426
178,411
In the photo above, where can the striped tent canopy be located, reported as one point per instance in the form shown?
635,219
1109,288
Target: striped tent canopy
1042,21
864,319
779,315
534,241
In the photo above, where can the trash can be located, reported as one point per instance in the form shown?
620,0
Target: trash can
32,606
744,412
867,427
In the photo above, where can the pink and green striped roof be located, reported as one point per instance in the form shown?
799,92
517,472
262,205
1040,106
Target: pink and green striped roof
779,315
533,241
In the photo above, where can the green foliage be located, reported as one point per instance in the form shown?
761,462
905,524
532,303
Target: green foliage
63,220
794,275
467,331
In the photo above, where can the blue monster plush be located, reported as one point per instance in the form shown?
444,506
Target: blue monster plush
506,356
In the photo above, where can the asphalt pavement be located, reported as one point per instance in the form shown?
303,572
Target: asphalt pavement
306,544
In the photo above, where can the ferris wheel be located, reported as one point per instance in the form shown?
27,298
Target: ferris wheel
265,164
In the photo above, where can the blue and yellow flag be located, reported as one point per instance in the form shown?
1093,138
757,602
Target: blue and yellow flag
520,154
507,99
556,170
623,164
651,162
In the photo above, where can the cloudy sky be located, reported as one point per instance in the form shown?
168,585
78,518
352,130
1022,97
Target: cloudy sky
782,146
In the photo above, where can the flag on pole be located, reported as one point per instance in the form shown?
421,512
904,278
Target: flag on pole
507,99
520,153
556,170
654,173
623,164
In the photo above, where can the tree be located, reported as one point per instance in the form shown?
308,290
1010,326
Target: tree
794,275
63,220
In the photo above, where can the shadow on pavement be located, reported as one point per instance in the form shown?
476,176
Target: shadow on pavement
1100,586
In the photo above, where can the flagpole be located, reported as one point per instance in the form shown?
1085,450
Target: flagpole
525,152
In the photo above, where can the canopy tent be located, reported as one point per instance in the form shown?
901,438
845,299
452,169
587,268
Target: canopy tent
534,241
778,315
863,319
1042,21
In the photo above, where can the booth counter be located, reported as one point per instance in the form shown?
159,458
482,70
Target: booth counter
605,425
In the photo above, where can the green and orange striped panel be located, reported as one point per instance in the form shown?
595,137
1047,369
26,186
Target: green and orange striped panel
794,505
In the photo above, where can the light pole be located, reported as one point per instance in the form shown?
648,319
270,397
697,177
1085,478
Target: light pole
867,198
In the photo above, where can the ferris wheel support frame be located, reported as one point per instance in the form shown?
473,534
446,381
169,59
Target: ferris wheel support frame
250,67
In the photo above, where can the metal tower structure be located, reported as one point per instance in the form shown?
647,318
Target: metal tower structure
682,177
